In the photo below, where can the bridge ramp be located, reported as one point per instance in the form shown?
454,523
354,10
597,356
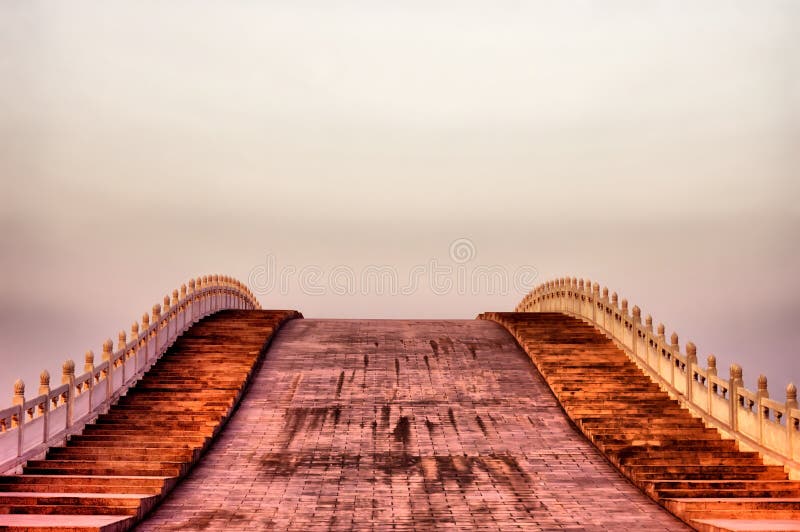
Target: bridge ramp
402,424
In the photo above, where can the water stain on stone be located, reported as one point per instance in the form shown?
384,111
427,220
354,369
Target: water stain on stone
457,468
337,412
374,429
294,420
402,431
427,364
352,376
339,384
452,418
446,343
366,361
376,344
207,518
386,412
481,425
435,348
397,369
430,425
318,416
393,463
472,350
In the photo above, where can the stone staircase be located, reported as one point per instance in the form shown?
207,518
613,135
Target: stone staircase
690,469
110,476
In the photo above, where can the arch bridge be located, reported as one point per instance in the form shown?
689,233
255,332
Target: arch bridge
569,413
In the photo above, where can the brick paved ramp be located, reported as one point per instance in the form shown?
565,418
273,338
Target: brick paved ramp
402,425
122,465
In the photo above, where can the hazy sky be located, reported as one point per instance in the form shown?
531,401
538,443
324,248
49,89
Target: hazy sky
652,146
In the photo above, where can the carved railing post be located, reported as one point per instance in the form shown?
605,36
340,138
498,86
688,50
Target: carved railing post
183,309
733,387
791,427
148,340
44,407
637,333
673,350
68,378
122,347
88,367
712,388
108,356
18,419
167,323
691,362
157,334
763,411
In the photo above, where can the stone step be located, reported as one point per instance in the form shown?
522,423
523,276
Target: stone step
121,453
83,483
735,508
99,467
66,523
76,503
745,525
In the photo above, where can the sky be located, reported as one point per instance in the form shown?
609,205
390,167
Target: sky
650,146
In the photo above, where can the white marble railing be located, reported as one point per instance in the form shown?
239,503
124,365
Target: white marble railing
757,422
30,426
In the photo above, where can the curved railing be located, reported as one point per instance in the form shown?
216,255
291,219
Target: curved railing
757,422
30,426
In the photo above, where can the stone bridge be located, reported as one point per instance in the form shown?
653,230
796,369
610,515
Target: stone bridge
568,414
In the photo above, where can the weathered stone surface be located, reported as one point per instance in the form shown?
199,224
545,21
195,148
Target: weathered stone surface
402,425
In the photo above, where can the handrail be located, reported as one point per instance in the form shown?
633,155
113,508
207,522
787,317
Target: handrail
30,426
757,422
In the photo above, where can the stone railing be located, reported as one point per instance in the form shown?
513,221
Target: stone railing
755,420
30,426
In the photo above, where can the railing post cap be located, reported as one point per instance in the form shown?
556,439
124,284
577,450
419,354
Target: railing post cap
191,284
68,368
712,362
625,305
19,392
614,298
88,357
691,350
674,339
108,345
165,306
134,329
791,392
762,383
661,329
145,320
183,291
736,371
637,312
44,378
122,338
156,311
605,291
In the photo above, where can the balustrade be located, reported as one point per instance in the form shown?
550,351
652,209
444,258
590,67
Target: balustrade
29,426
758,422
